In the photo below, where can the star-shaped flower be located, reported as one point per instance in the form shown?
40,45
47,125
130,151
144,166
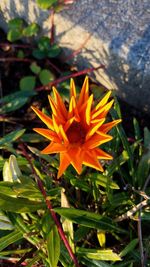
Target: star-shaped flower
77,132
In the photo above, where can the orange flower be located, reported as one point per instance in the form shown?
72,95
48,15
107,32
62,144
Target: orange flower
78,132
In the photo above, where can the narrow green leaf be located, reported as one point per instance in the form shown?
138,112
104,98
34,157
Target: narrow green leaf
10,239
129,248
19,205
94,263
53,246
11,137
143,169
98,254
89,219
102,180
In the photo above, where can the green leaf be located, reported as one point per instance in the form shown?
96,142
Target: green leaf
46,76
27,83
129,248
54,51
11,137
143,169
89,219
102,180
94,263
19,205
16,23
31,30
146,138
45,4
15,101
20,54
53,246
5,223
38,54
35,68
44,43
14,35
9,239
98,254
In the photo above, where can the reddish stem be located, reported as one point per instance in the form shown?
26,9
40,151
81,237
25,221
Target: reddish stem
12,59
72,75
49,206
52,26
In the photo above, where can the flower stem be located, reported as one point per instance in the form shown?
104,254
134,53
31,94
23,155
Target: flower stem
50,208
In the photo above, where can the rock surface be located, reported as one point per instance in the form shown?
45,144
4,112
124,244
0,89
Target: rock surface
118,35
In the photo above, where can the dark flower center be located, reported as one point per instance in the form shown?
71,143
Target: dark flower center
76,133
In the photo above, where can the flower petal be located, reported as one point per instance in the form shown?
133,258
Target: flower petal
100,154
94,128
72,89
55,110
53,148
96,140
60,102
103,101
48,134
90,160
108,126
64,163
47,120
102,112
75,157
84,94
88,110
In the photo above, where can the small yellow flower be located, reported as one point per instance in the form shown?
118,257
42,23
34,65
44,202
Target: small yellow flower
78,132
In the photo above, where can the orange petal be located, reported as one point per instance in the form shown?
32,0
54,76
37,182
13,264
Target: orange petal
75,157
64,163
72,88
100,154
103,111
88,110
90,160
60,102
84,94
63,134
94,128
108,126
53,148
48,134
103,101
96,140
47,120
56,111
73,111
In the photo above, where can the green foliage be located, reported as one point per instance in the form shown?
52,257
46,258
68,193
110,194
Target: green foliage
98,212
45,4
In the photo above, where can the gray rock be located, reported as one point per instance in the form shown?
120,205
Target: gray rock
119,38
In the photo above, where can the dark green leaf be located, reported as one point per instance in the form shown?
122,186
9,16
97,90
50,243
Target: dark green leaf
129,248
16,23
11,137
89,219
27,83
54,51
15,101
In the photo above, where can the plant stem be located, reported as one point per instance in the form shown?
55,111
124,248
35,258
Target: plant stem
49,206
